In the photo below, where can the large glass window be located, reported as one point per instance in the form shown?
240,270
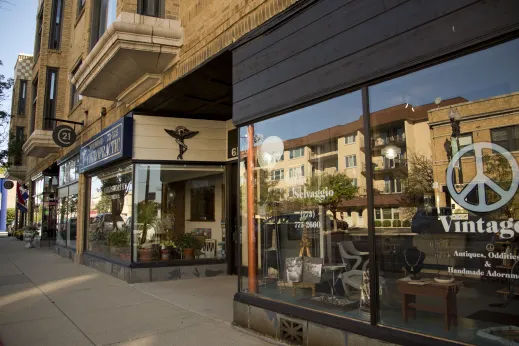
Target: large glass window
22,97
51,93
55,24
304,237
45,206
103,14
443,148
109,218
67,203
178,212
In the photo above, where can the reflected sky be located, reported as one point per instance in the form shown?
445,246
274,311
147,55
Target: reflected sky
488,73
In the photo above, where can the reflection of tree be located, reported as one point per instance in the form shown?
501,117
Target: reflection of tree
419,181
121,183
334,188
269,195
104,204
499,170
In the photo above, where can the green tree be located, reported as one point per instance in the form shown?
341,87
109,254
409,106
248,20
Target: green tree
499,170
104,205
329,190
419,180
5,85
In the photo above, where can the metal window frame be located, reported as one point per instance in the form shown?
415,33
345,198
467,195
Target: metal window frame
49,109
22,101
55,31
161,8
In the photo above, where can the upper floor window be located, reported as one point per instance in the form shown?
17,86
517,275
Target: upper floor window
39,32
33,108
351,161
55,25
50,99
152,8
75,97
278,174
350,139
507,137
297,152
103,14
80,5
296,172
22,97
20,139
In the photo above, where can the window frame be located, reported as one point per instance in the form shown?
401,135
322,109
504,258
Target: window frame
75,100
509,137
298,150
354,157
351,135
281,172
56,25
32,124
22,96
212,204
39,32
51,92
159,12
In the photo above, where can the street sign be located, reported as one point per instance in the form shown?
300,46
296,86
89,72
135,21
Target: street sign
64,136
8,184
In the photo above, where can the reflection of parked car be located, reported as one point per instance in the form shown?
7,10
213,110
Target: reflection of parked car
104,222
427,221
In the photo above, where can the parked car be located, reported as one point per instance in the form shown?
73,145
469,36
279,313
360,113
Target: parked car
105,223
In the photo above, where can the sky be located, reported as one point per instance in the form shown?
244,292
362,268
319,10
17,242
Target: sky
17,28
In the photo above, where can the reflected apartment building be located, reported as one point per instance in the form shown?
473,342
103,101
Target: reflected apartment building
401,130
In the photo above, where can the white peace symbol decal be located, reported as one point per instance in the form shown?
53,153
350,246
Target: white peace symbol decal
490,247
480,180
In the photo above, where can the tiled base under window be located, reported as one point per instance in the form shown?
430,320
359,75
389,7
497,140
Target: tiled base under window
282,327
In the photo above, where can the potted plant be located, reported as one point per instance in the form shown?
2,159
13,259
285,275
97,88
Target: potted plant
188,243
165,249
119,241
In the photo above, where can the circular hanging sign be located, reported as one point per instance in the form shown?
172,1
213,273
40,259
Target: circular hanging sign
8,184
64,136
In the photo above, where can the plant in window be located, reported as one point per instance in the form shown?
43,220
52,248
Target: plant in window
397,223
406,223
146,217
378,223
386,223
119,242
188,243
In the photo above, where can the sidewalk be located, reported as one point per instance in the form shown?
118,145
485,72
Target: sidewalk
48,300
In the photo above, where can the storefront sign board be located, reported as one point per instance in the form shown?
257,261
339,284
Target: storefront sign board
111,144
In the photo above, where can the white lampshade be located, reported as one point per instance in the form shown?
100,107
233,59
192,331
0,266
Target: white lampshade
391,151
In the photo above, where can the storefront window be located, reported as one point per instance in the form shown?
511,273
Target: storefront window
178,212
304,234
44,206
109,221
67,203
448,247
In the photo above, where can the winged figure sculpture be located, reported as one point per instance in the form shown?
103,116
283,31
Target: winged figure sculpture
180,134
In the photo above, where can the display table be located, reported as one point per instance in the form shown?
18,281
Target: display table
430,288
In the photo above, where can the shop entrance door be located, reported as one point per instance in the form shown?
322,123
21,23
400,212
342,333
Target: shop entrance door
232,218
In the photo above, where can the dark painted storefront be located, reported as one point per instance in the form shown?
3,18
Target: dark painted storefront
386,104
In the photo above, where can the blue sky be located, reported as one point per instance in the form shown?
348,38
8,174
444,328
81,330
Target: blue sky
17,26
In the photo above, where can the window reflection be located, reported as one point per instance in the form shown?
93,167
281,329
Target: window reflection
447,188
309,204
178,212
108,228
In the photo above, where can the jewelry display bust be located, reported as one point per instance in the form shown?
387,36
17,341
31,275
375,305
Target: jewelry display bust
413,261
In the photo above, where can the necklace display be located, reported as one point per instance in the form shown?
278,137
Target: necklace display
409,264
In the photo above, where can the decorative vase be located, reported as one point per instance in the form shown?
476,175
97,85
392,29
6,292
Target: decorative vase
165,254
189,253
145,255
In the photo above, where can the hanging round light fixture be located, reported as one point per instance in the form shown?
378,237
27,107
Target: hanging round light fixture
391,151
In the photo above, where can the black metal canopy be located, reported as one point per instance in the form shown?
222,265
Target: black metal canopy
205,93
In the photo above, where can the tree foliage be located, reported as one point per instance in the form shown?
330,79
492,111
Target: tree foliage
499,170
329,190
420,179
5,85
